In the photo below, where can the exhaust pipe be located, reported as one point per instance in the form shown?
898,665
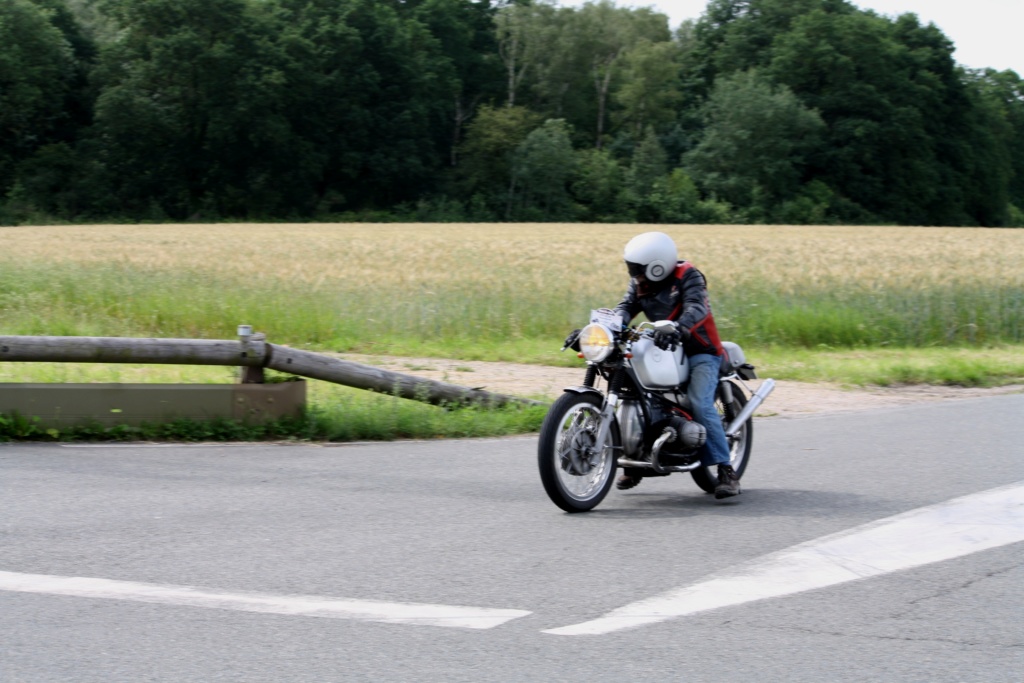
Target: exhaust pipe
755,401
666,436
645,464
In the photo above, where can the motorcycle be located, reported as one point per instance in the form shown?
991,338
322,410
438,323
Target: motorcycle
641,420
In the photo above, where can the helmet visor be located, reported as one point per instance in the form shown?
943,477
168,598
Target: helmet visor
636,269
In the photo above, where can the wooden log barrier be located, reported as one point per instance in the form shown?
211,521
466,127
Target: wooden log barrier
320,366
250,352
133,350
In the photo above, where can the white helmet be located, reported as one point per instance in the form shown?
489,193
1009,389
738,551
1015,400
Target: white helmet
652,254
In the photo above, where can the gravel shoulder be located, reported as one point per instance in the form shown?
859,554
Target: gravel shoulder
789,399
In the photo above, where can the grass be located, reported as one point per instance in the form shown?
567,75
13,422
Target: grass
858,305
975,367
351,415
481,291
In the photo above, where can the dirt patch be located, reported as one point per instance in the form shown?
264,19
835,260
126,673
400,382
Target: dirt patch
789,399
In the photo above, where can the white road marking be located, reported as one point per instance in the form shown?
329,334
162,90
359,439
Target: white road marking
299,605
957,527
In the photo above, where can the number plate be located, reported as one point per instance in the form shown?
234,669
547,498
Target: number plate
606,317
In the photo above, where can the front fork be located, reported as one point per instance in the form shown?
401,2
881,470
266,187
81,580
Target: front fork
611,402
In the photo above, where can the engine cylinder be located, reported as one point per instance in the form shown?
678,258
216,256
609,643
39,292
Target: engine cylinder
692,435
631,427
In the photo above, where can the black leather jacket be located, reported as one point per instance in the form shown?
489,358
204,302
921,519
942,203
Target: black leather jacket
683,298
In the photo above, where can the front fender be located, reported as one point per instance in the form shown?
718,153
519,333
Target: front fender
581,390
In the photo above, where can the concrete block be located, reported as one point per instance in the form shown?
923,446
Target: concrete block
63,405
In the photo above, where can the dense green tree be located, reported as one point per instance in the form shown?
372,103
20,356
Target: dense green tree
40,80
674,198
49,183
606,34
237,107
464,30
521,29
650,90
372,92
190,117
542,167
580,61
757,143
556,72
896,111
738,35
906,141
1002,92
982,154
598,186
79,101
487,154
95,24
67,21
778,110
649,163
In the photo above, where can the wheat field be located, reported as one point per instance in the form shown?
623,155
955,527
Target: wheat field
476,289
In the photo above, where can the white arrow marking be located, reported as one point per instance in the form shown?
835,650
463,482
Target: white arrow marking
961,526
299,605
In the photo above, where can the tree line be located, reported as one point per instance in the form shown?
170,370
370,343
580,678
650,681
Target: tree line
760,111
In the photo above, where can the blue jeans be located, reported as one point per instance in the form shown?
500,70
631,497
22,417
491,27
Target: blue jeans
704,369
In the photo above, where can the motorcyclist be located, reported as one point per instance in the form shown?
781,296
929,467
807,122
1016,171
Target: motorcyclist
663,287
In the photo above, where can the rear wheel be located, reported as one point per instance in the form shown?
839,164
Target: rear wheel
739,448
576,476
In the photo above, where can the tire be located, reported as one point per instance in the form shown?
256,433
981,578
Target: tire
572,423
739,448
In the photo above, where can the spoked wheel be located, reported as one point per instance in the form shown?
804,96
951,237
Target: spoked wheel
739,448
575,474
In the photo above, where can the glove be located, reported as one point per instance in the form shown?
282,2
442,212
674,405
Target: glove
668,340
572,341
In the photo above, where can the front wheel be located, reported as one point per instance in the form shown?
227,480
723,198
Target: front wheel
739,448
576,476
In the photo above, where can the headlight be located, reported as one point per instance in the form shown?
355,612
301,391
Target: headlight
596,342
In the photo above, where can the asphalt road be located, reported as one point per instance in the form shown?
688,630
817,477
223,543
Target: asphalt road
466,523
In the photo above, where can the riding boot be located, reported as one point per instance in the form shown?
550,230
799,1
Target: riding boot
627,481
728,482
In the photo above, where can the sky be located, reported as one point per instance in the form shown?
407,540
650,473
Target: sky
986,33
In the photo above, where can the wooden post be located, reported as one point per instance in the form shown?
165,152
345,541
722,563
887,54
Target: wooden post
251,374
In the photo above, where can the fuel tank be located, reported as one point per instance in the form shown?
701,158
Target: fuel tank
657,368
